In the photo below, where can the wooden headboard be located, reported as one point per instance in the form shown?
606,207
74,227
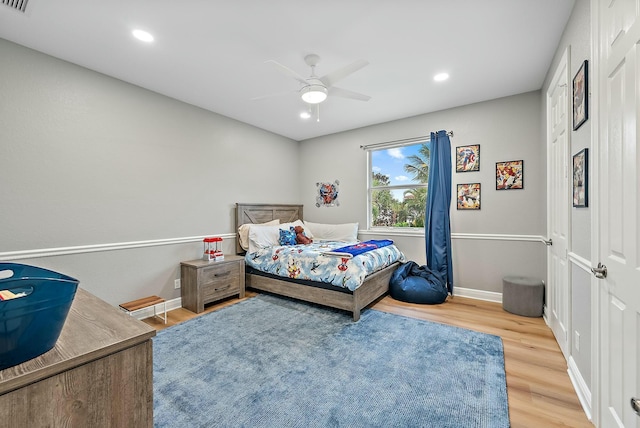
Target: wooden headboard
262,213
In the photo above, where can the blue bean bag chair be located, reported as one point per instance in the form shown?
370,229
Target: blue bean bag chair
417,284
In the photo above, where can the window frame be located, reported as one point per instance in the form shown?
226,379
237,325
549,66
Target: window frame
406,186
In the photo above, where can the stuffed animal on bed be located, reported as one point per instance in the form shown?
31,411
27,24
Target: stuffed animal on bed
301,238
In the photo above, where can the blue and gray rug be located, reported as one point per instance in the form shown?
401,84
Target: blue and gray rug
273,362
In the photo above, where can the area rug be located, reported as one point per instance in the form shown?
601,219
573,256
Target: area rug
274,362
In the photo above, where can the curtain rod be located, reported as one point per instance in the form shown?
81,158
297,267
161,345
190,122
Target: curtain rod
404,140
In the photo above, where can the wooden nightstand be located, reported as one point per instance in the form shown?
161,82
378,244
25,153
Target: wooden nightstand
203,282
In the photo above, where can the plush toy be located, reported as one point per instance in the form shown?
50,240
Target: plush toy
301,238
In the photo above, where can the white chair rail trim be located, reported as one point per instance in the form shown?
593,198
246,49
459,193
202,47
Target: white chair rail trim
81,249
580,261
481,236
499,237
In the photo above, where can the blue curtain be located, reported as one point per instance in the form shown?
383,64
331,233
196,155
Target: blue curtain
437,227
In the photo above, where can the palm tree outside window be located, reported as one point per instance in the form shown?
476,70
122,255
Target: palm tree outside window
398,183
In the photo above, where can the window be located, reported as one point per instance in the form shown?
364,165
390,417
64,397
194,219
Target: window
398,177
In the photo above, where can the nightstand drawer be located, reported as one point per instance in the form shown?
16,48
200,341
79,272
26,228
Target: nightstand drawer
217,291
226,283
216,275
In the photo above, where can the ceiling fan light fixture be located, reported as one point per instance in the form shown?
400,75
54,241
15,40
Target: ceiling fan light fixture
441,77
142,35
313,94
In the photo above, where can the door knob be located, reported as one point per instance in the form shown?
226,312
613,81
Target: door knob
635,405
600,271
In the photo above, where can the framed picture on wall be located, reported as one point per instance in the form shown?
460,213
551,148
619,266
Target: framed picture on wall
468,196
510,175
327,195
580,96
468,158
581,179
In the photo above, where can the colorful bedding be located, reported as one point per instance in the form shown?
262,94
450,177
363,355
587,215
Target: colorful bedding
310,262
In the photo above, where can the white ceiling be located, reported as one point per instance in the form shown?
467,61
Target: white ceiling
212,53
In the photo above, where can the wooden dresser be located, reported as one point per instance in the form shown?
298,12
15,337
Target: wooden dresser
202,282
99,374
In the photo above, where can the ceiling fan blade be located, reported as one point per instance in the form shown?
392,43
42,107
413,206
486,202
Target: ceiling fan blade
331,78
345,93
286,70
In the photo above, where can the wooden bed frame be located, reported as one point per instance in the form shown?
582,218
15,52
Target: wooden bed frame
374,286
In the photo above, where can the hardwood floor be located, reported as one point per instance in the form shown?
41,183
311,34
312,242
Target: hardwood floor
540,392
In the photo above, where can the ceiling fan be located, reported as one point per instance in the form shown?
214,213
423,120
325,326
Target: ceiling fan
314,89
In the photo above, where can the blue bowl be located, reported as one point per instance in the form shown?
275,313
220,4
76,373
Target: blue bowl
30,325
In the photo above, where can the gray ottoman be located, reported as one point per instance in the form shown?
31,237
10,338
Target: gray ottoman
522,295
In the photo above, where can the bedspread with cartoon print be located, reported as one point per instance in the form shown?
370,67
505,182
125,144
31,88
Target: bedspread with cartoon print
309,262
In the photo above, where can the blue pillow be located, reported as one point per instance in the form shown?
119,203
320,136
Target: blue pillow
287,237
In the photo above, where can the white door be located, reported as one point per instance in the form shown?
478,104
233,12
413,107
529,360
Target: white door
558,308
618,35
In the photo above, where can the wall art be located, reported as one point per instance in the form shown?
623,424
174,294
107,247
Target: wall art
327,194
468,196
468,158
581,96
581,179
510,175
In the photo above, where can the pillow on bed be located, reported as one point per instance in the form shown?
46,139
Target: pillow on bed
267,236
347,232
287,237
262,237
243,232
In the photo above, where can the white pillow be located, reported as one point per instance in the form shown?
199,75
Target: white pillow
243,231
264,236
347,232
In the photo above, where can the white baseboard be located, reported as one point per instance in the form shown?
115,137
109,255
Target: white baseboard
582,390
148,312
545,316
489,296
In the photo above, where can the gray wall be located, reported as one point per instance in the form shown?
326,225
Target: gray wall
506,129
86,160
577,36
91,160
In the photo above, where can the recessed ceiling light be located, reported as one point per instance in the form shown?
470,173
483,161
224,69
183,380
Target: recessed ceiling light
305,115
142,35
441,77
